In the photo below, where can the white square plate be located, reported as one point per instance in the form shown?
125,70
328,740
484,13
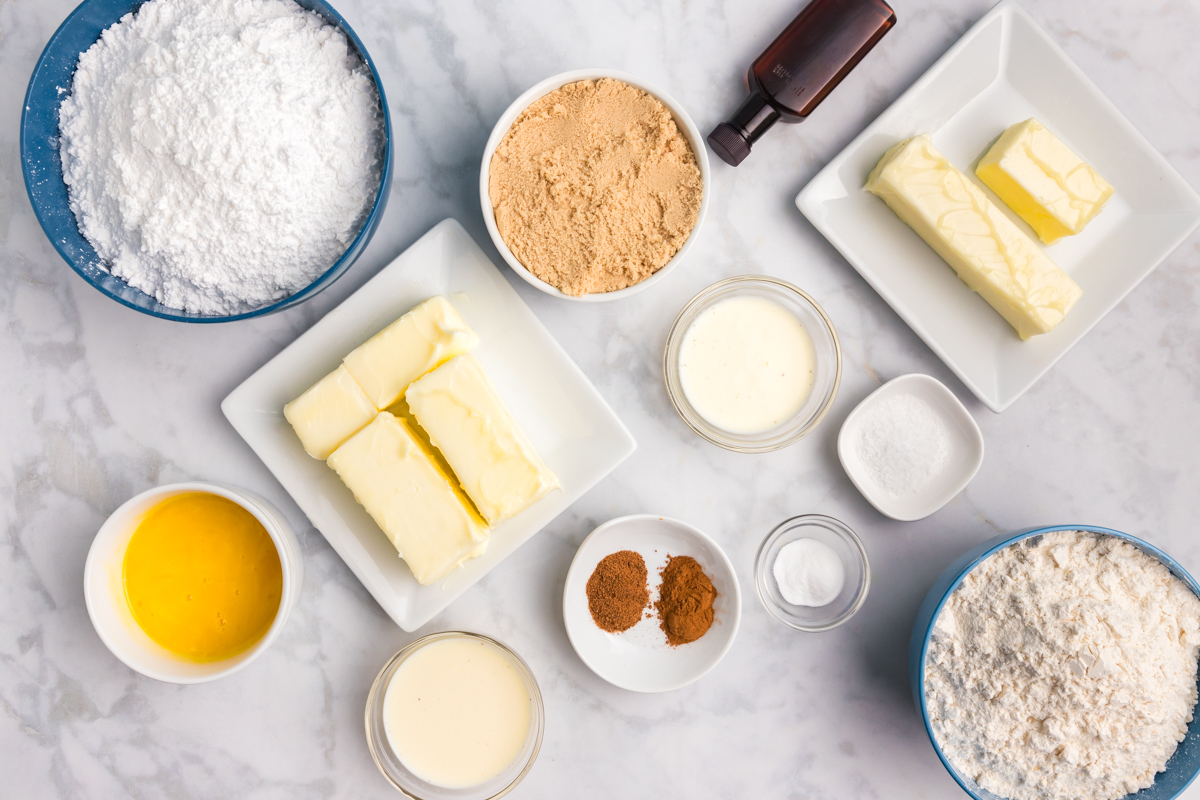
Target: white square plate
1004,70
572,427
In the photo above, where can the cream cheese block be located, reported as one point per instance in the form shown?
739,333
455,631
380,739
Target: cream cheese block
1043,181
329,413
469,424
988,251
429,335
419,507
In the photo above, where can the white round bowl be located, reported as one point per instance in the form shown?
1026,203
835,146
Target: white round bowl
104,586
640,659
682,121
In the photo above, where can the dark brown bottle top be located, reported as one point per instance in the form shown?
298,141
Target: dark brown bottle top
801,67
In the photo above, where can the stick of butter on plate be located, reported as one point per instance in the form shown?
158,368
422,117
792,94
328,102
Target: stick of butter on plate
419,507
1043,181
429,335
988,251
469,424
329,413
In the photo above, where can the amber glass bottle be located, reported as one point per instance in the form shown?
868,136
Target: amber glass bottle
801,67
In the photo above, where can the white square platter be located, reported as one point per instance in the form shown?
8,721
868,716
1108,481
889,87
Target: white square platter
1005,69
575,431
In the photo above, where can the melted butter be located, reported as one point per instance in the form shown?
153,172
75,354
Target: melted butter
202,577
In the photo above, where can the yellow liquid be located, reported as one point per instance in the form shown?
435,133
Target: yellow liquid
202,577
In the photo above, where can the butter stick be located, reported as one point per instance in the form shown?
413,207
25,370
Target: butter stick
988,251
419,507
469,424
429,335
329,413
1043,181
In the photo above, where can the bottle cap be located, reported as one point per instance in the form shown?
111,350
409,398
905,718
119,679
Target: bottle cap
731,140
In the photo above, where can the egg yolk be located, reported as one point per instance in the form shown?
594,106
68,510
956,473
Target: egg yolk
202,577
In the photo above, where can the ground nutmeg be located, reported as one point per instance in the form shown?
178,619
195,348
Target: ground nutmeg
616,592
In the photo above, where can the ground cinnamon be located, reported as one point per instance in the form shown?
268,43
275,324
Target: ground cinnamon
685,601
617,592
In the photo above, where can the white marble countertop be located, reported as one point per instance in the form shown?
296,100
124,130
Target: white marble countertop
98,402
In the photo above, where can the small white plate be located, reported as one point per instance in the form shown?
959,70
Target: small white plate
640,659
1004,70
966,449
577,434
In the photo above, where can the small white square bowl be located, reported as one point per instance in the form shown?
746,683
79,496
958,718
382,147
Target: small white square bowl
1005,69
966,449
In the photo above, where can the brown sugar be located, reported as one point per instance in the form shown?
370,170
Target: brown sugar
685,601
594,188
617,592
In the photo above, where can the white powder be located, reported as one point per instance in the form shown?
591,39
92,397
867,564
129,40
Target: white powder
902,444
221,154
809,573
1064,667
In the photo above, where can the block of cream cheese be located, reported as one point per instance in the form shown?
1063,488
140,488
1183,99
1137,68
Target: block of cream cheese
468,422
329,413
429,335
1043,180
988,251
420,508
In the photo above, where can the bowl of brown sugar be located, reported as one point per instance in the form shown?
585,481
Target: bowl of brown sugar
650,603
594,185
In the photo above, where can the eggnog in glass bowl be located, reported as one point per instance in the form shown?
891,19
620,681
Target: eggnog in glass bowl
752,364
455,715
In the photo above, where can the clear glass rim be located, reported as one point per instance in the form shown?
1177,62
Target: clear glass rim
671,373
375,698
760,569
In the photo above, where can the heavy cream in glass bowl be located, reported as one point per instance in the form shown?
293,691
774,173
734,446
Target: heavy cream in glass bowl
455,716
752,364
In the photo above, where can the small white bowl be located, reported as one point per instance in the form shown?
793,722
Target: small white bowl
966,449
640,659
682,121
104,586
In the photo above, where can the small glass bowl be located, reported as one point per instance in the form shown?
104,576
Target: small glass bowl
849,548
412,786
828,372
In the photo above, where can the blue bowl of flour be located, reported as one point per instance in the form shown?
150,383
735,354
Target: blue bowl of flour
1182,767
42,166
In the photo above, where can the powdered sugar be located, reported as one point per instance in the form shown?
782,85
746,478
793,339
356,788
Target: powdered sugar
1064,667
221,154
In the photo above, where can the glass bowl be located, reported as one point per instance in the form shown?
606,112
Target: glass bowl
42,164
828,372
412,786
849,548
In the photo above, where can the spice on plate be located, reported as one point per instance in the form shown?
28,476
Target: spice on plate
685,601
594,188
617,592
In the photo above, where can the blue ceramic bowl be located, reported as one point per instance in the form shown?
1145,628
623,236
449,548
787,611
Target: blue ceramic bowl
1183,765
43,168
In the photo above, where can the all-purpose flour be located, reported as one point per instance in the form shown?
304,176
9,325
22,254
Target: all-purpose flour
1064,667
221,154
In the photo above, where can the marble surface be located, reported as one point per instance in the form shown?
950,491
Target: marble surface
98,402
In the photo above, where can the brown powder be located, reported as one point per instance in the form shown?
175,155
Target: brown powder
594,188
617,592
685,601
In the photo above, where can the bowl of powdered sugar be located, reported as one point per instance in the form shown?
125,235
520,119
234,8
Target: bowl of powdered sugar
1061,664
207,161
